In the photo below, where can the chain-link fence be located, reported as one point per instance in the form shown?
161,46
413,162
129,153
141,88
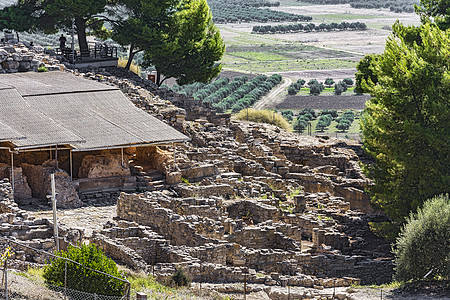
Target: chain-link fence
339,135
15,285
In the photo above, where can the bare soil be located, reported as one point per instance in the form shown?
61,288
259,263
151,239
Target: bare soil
323,102
320,75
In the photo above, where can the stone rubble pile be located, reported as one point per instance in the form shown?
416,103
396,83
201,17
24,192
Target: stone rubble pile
21,58
18,225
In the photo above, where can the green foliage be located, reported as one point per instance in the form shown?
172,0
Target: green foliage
324,121
180,278
397,6
42,69
312,82
145,283
263,116
50,16
236,95
436,10
301,124
301,82
332,112
338,89
424,242
405,126
329,82
310,111
385,230
191,46
287,114
292,90
233,11
83,279
263,29
347,81
365,73
316,88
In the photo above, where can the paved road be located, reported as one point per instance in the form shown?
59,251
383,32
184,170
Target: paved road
272,94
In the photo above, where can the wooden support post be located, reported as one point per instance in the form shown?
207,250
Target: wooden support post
71,164
12,172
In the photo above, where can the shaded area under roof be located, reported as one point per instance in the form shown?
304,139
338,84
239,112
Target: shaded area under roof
60,112
32,83
38,129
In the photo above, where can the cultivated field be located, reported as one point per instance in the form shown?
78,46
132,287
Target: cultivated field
313,54
323,102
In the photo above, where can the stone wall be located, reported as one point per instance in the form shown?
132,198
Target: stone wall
265,237
143,210
103,165
40,182
20,58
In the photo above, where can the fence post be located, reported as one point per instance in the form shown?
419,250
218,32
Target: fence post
141,296
6,279
95,296
245,286
129,291
65,278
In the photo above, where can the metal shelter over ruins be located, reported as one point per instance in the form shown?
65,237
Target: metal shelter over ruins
57,111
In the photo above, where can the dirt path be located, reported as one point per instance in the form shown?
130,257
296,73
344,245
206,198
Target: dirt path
273,94
90,217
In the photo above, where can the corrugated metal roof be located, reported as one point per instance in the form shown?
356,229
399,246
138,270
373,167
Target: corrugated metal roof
59,108
35,126
32,83
8,134
104,119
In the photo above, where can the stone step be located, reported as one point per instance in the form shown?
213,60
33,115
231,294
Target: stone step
156,183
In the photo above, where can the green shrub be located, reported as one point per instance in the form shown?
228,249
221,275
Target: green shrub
42,69
287,114
83,279
316,89
263,116
180,278
348,81
300,125
308,111
292,90
424,242
338,89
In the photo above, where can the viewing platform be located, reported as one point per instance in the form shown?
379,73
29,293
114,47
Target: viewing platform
98,54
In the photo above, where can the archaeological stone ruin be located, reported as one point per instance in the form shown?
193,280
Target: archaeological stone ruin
228,201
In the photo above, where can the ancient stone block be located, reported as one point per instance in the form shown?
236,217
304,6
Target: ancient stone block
107,165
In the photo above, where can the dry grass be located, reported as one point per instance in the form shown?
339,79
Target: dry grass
133,68
262,116
25,285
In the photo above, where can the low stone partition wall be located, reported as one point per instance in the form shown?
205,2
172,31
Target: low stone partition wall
254,210
329,237
177,229
266,237
270,260
373,271
368,271
204,190
119,252
196,173
210,208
